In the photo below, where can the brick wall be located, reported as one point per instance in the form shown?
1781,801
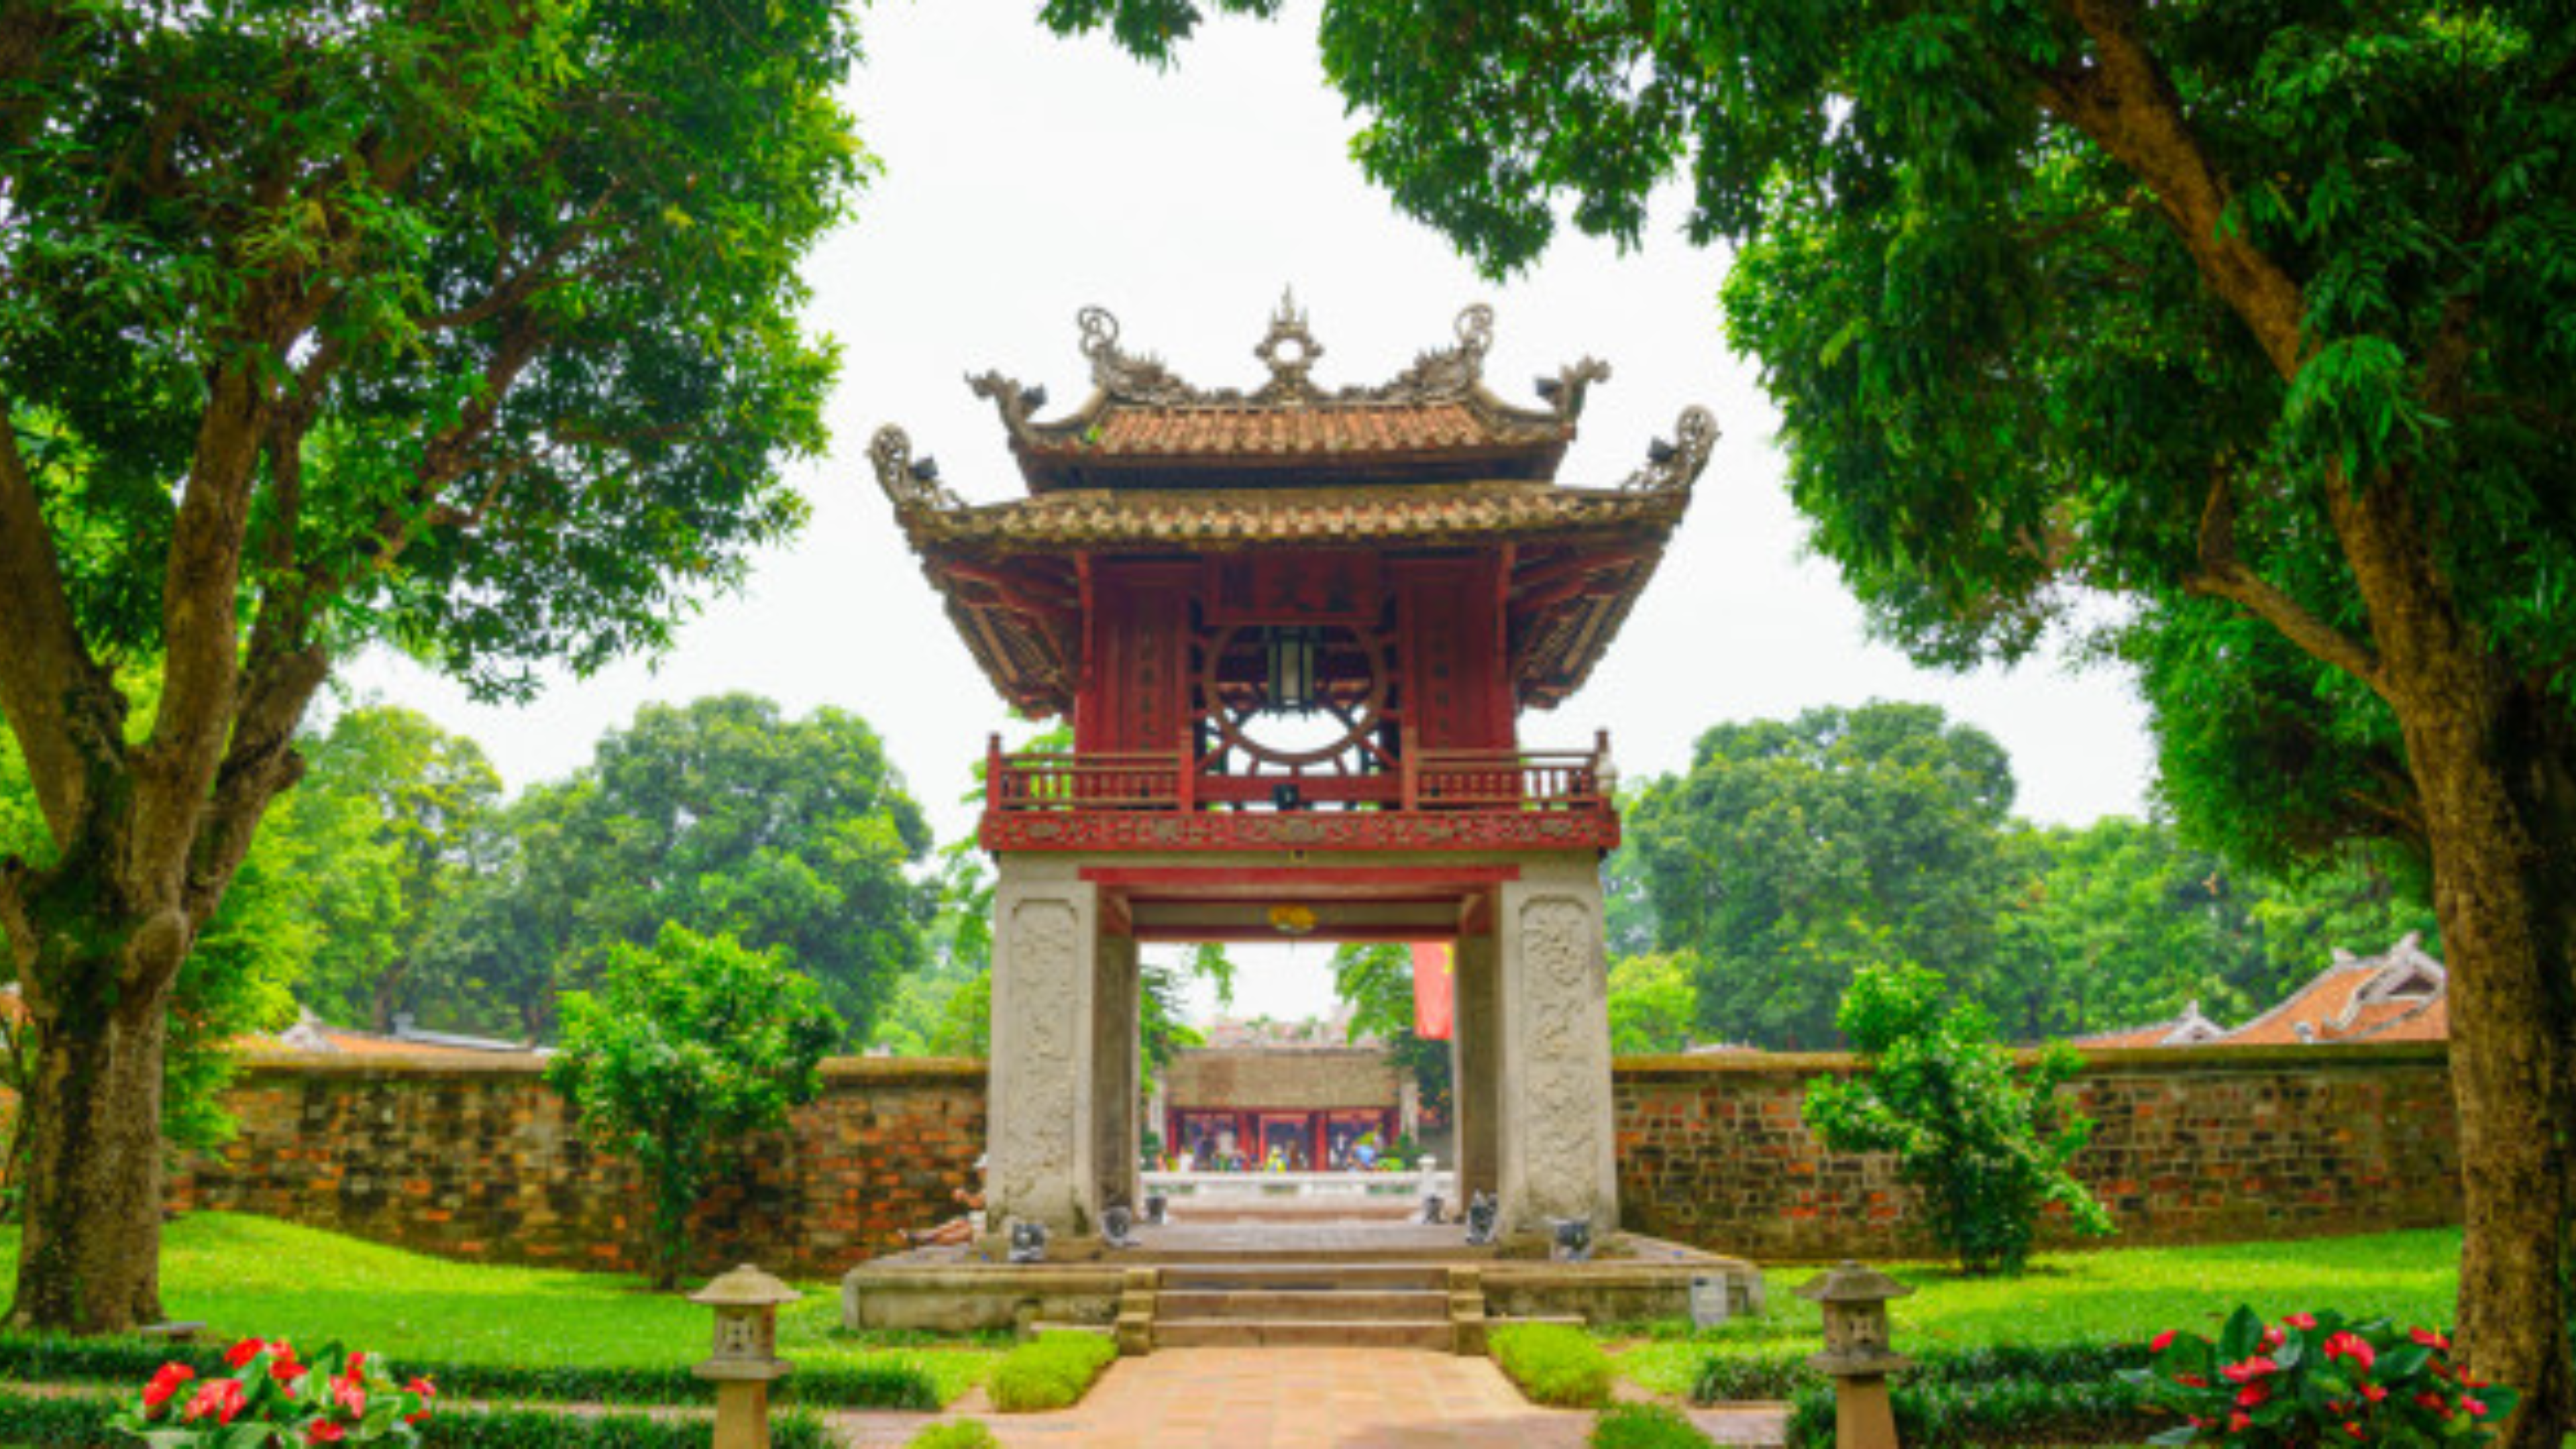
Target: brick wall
2203,1144
470,1157
475,1158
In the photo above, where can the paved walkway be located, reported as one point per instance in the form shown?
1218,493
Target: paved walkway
1296,1398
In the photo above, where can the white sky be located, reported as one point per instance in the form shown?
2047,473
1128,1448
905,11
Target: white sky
1025,178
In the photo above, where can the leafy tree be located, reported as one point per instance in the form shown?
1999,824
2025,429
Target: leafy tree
469,327
1794,852
725,817
1985,1144
1653,1000
411,811
694,1043
1376,980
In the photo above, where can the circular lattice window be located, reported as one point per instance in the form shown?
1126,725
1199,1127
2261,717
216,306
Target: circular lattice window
1294,697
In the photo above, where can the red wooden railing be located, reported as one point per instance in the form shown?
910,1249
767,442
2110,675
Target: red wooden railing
1425,780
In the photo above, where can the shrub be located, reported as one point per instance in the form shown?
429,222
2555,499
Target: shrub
1986,1145
49,1422
2317,1379
1050,1371
1553,1363
1646,1426
1990,1413
336,1397
696,1043
954,1434
1776,1373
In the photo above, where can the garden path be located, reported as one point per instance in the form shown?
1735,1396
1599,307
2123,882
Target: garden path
1297,1398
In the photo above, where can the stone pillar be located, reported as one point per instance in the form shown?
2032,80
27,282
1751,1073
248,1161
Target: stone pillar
1556,1151
1475,1063
1040,1140
1116,1072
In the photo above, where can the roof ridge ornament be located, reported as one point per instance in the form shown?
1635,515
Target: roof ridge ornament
1289,350
913,485
1127,376
1672,467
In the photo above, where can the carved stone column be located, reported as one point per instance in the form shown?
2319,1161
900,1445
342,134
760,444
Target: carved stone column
1557,1151
1476,1053
1116,1072
1040,1138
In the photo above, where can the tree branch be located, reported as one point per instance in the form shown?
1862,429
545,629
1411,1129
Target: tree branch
57,700
2222,574
2125,105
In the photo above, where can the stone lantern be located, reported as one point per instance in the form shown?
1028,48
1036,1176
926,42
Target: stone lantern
746,1359
1857,1354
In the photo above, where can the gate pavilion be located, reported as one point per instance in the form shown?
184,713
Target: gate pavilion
1294,630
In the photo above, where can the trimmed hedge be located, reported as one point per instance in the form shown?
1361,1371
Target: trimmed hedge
1782,1373
955,1434
81,1422
2012,1411
1554,1363
1646,1426
127,1361
1049,1371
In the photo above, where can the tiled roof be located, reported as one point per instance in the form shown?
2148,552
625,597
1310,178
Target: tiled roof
1324,429
1100,518
2400,996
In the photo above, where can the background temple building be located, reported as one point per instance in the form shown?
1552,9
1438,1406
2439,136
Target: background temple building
1303,1088
2402,995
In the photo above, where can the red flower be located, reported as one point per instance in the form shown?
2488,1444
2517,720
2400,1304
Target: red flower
427,1391
2352,1346
243,1352
2433,1401
2248,1371
350,1395
2272,1339
2429,1338
163,1385
2477,1407
2238,1423
2300,1320
2352,1428
2162,1342
2252,1394
323,1431
2373,1392
2191,1381
219,1399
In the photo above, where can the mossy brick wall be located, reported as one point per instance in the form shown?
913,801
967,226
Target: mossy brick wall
473,1158
2202,1144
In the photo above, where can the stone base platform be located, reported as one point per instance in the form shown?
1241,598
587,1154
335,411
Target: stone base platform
957,1289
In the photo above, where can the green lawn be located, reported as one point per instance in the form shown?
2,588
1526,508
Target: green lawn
2114,1295
247,1276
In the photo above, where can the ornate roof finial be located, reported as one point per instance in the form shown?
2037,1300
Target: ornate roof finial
1289,351
1673,467
912,485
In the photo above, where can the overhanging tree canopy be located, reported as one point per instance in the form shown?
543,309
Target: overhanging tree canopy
465,326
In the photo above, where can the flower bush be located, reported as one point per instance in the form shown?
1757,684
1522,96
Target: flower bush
337,1398
2315,1380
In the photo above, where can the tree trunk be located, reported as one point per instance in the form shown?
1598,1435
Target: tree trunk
90,1259
2486,755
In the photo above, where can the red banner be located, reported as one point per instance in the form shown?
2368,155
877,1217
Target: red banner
1435,990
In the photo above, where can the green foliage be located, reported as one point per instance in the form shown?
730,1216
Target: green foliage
1645,1426
1555,1364
1793,853
393,818
954,1434
1050,1371
52,1422
1985,1144
1653,1000
694,1043
2033,1411
788,834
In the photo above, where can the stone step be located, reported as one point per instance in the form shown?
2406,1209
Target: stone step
1240,1277
1301,1333
1409,1305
